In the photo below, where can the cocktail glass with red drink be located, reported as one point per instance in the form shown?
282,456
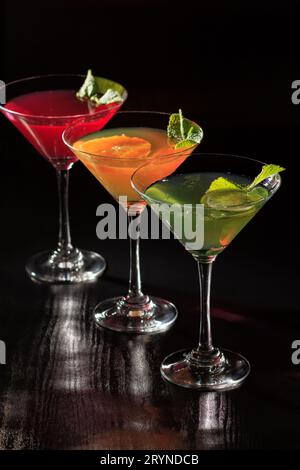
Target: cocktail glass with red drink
41,108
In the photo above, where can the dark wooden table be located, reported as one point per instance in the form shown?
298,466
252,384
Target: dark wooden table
69,385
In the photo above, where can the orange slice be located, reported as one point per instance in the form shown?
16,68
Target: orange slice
115,146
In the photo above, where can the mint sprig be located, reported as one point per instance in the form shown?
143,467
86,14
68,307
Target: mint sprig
223,184
98,90
183,131
266,172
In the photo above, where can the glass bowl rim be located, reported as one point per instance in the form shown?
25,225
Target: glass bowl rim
124,159
276,178
64,117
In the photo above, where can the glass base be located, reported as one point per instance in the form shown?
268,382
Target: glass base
233,370
154,316
53,267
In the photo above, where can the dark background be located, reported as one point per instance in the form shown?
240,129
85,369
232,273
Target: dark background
229,66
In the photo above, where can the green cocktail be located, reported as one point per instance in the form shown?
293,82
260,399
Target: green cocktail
213,196
225,212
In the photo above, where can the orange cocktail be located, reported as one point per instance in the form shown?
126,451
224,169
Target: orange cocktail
113,155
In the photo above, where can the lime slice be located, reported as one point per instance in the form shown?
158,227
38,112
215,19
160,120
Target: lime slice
234,200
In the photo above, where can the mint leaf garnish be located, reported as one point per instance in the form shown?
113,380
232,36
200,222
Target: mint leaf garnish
88,88
185,143
110,96
183,131
266,172
223,184
99,90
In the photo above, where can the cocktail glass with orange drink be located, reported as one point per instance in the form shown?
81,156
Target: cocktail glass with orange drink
112,156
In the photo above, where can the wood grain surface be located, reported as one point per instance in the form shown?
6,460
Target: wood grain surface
71,385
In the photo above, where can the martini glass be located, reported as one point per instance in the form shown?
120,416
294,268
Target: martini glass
112,156
225,213
41,108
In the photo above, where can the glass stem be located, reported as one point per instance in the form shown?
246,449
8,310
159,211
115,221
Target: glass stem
205,339
64,237
135,294
205,358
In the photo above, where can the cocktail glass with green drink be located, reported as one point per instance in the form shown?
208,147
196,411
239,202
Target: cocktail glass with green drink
229,190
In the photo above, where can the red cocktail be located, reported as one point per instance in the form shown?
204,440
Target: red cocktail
59,108
41,108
